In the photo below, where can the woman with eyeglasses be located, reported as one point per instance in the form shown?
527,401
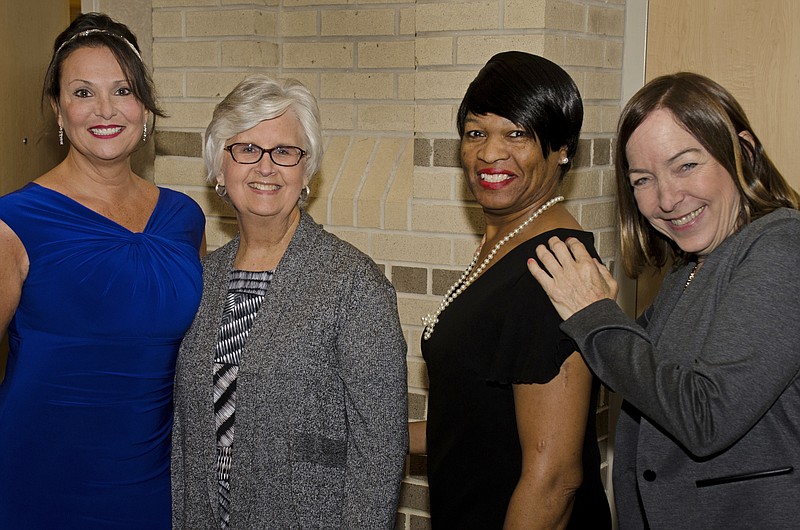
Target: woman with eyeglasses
290,389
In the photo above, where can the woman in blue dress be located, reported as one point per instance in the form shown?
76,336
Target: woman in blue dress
99,280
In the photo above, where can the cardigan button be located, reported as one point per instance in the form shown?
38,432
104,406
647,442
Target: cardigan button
649,475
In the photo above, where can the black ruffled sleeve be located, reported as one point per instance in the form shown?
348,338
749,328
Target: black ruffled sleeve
531,347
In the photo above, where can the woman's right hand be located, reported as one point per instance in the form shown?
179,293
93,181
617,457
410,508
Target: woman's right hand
571,278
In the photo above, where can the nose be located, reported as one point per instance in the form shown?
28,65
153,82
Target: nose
492,149
105,107
670,194
265,166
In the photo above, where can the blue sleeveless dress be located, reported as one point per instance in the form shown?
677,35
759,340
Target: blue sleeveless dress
86,404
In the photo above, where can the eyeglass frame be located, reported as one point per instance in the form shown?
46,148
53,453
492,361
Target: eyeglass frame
229,149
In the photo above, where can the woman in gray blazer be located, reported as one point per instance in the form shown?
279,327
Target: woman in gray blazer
290,386
709,435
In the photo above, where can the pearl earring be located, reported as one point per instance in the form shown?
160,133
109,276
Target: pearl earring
60,135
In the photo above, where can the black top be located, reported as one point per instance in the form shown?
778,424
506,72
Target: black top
500,331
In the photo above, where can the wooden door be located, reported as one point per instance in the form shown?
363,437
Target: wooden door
28,140
751,47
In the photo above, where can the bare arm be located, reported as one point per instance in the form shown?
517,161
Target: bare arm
13,271
551,420
417,437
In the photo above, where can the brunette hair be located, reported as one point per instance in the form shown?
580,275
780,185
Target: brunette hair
99,30
715,119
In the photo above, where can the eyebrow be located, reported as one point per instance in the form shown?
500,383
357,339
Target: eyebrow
681,153
670,160
87,82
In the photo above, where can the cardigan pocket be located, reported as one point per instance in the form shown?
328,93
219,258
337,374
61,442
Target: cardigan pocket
319,449
318,467
728,479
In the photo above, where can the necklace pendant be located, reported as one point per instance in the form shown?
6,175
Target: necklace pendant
691,276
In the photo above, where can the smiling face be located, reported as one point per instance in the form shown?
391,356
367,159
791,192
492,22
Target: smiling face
504,165
265,189
100,115
680,189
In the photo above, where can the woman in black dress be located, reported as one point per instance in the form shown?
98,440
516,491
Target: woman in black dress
510,435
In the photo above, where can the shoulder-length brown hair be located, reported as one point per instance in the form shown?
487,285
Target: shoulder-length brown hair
713,116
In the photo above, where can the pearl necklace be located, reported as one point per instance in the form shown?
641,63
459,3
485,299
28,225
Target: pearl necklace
466,279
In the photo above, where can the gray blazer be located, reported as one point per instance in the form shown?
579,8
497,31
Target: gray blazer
321,410
709,436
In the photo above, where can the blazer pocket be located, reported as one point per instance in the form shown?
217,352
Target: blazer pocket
741,477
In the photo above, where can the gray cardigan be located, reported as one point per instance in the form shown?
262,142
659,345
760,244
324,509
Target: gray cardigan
321,412
709,436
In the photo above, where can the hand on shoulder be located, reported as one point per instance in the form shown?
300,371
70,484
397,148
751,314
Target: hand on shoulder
571,277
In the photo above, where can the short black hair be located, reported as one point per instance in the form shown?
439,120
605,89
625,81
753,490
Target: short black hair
532,92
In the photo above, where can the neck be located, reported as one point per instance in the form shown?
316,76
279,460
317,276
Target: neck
262,245
78,174
108,170
498,227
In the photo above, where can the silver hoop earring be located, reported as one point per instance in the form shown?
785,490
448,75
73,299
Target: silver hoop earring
60,135
220,189
564,160
304,193
144,132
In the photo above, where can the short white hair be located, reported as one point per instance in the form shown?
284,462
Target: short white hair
255,99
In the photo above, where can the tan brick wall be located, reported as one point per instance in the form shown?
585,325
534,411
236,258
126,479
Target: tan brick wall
389,75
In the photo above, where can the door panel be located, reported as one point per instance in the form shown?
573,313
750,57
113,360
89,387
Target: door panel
28,140
751,47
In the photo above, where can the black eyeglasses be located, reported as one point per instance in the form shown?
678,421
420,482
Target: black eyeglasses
282,155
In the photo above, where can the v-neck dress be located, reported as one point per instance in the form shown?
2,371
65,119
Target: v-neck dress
86,404
501,331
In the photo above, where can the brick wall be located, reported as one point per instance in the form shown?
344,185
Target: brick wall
389,75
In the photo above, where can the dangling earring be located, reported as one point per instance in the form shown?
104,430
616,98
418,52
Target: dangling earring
304,193
220,189
144,132
60,135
